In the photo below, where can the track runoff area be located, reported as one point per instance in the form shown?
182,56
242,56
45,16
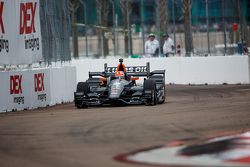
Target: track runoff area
226,149
223,151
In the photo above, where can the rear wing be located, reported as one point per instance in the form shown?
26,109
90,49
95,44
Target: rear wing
131,71
135,71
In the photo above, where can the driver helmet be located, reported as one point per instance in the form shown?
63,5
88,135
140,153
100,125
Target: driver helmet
119,74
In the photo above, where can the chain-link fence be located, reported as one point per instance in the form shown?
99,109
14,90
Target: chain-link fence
55,30
217,27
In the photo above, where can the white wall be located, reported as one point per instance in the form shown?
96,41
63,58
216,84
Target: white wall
63,84
57,85
60,82
181,70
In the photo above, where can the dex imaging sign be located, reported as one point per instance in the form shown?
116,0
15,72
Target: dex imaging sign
25,89
16,89
4,42
39,85
20,34
28,26
27,17
16,84
39,82
1,18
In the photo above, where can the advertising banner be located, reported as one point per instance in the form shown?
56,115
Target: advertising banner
40,87
6,31
20,32
17,94
25,89
33,88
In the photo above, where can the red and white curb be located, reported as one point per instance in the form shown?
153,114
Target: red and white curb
226,151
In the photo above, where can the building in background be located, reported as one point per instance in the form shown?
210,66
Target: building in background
232,12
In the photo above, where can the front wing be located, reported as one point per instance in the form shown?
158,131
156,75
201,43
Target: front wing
90,100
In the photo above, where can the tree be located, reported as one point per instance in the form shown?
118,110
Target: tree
188,27
162,18
73,6
125,22
102,13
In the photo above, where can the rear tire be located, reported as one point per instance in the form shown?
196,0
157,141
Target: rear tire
150,86
82,87
164,96
160,80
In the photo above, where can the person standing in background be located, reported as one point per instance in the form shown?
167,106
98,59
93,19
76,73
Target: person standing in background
168,47
152,46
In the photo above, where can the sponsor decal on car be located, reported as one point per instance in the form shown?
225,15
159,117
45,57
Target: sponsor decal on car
136,69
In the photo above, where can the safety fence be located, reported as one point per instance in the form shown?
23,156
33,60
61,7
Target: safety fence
218,27
55,30
217,47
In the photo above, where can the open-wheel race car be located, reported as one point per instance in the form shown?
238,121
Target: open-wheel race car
118,85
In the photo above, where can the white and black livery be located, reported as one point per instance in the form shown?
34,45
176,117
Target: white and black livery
115,86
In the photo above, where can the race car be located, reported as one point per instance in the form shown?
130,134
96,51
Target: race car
118,86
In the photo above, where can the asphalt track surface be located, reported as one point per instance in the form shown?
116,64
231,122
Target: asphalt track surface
64,136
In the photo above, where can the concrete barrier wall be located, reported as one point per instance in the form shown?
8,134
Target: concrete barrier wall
33,88
63,84
181,70
249,67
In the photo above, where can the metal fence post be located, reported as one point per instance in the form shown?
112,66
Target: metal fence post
129,30
173,10
85,22
224,28
114,24
207,18
142,26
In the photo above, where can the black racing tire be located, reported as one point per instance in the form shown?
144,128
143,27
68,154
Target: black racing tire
155,98
149,85
159,79
82,87
164,96
82,106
